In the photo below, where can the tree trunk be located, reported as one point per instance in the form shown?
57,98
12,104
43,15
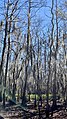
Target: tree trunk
25,85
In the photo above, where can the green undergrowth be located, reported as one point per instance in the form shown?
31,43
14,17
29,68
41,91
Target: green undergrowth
32,96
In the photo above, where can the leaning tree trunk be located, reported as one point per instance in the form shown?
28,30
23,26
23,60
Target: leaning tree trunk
4,46
6,69
27,52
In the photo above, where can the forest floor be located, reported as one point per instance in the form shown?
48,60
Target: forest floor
15,112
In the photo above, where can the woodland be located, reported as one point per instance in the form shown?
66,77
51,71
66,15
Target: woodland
33,59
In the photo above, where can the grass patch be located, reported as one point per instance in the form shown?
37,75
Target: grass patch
32,96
